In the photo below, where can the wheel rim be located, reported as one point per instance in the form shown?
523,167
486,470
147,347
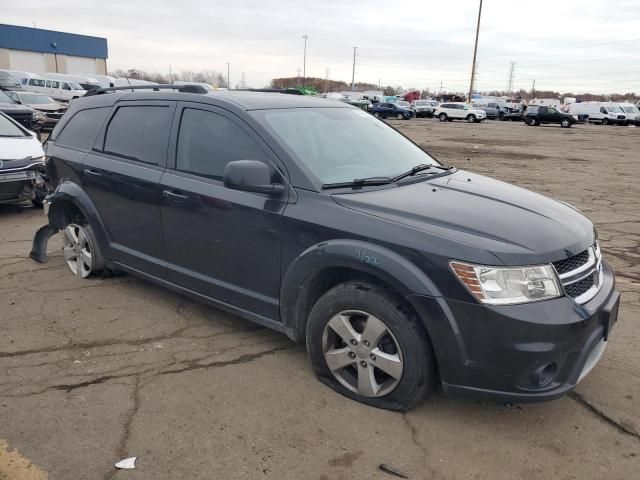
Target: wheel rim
471,119
400,116
77,250
362,353
377,115
443,118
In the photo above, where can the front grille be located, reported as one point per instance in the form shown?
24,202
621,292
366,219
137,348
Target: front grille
581,275
571,263
621,117
576,289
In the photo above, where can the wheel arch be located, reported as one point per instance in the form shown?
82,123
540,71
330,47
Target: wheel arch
325,265
69,200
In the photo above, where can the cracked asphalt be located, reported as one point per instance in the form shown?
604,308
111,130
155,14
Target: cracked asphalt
93,371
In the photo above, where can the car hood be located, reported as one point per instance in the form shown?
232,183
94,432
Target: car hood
12,148
47,107
518,226
14,107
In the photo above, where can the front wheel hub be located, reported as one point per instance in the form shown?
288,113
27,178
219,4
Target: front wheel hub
362,353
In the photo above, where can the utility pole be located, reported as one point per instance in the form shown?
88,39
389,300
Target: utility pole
326,80
244,85
304,59
533,89
440,87
475,52
228,82
353,71
511,72
170,75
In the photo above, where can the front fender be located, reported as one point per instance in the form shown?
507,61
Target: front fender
378,261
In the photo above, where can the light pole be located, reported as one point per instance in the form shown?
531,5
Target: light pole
228,83
304,59
353,71
475,52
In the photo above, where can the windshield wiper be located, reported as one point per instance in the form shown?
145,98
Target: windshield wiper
359,182
419,168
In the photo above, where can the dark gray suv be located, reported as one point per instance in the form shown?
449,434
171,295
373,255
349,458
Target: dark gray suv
315,219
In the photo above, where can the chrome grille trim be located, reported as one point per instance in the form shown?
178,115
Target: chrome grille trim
593,267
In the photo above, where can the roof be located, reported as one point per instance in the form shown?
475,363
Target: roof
29,39
243,100
269,100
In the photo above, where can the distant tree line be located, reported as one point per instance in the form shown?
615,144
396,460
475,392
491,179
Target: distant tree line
322,85
211,77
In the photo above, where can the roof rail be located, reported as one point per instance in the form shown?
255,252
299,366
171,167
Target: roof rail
156,88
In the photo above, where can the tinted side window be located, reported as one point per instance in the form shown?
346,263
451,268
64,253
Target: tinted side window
208,141
81,130
36,82
139,133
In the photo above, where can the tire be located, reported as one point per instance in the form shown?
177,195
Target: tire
355,371
471,118
605,121
443,117
376,114
532,122
81,250
400,116
565,123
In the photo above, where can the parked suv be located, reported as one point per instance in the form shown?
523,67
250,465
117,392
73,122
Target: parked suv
538,114
386,110
424,108
318,221
447,112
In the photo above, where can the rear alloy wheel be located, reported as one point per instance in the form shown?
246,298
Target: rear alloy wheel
364,342
443,117
605,121
81,251
565,123
400,116
471,118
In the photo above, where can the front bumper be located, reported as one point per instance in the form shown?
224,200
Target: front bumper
519,353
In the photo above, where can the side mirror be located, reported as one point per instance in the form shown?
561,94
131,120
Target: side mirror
250,176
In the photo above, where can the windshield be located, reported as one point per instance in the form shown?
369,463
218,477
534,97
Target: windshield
10,129
75,86
631,109
403,104
421,102
342,144
36,99
4,98
614,109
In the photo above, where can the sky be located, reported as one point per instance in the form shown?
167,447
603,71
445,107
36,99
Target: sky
567,45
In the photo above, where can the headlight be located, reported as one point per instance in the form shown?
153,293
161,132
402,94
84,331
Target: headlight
508,285
37,116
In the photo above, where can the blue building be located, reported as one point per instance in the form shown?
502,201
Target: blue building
39,51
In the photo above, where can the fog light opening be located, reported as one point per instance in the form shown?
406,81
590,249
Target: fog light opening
543,376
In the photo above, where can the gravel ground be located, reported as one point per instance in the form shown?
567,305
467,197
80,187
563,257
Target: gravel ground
97,370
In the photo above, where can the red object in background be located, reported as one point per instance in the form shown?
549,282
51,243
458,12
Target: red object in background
411,96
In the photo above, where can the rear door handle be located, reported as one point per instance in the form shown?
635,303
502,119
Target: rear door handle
174,196
93,173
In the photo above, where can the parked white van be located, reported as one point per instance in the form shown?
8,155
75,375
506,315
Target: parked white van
64,90
599,112
631,111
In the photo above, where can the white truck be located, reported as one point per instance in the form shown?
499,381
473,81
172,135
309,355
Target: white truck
600,112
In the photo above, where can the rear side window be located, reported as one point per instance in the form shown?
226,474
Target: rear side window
208,141
139,133
36,82
81,130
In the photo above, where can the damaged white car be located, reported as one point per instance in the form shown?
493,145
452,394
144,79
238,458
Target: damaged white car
21,164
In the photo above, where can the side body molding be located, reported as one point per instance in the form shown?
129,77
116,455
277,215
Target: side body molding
378,261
